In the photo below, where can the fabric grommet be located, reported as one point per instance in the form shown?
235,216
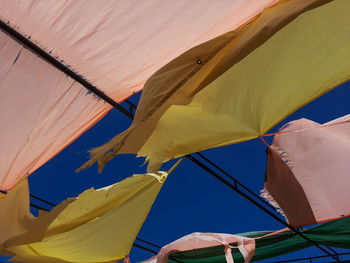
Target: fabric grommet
199,61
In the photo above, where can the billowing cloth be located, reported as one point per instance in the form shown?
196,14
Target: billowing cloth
42,111
204,240
98,226
15,216
120,46
17,221
116,49
308,171
269,244
239,85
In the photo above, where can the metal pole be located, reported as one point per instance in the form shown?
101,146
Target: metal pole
237,182
309,258
233,187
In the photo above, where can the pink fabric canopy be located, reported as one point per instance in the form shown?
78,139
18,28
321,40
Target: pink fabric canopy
42,111
308,171
115,45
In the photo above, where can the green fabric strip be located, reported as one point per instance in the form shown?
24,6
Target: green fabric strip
334,234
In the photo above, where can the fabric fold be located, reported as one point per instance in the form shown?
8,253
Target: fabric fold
115,49
307,170
261,245
98,226
197,241
239,85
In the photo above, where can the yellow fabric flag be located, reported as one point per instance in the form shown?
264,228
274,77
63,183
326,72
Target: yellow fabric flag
99,226
299,63
239,85
291,54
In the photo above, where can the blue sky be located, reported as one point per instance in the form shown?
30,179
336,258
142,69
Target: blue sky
191,200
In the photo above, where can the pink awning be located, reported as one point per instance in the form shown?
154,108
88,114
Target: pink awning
115,45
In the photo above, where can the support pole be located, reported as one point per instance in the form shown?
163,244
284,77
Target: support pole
310,258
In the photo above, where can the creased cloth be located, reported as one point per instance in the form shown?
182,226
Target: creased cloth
308,170
98,226
114,45
239,85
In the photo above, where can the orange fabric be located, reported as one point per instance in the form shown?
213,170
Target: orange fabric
42,111
120,46
208,96
116,49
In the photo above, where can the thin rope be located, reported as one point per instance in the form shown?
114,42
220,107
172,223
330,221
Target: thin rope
305,129
42,200
267,145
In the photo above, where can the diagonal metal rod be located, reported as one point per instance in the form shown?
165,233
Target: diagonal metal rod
54,62
48,58
146,249
39,207
236,181
233,187
310,258
42,200
149,243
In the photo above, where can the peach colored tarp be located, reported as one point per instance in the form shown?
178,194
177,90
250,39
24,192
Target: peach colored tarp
15,216
318,157
41,111
98,226
204,240
239,85
115,45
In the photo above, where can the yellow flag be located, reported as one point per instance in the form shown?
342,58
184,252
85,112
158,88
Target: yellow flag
15,216
288,56
99,226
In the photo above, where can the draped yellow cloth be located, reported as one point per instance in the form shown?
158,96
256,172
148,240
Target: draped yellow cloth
98,226
246,82
301,62
114,45
15,216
